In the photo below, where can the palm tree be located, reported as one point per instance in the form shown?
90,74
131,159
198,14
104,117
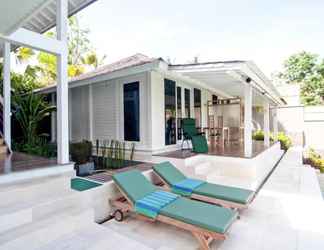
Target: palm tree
29,111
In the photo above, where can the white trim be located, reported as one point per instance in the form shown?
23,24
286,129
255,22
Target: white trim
90,113
7,95
24,37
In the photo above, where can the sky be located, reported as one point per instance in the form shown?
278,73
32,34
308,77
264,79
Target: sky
263,31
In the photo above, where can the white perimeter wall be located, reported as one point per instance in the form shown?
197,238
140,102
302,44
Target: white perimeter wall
304,124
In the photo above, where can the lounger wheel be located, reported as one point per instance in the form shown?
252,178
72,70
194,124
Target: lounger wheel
119,215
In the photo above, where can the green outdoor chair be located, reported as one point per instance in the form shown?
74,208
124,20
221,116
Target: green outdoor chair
190,133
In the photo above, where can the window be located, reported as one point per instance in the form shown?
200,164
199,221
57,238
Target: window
187,103
179,112
131,112
170,111
215,99
197,105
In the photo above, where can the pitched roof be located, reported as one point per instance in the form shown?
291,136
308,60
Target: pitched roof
135,60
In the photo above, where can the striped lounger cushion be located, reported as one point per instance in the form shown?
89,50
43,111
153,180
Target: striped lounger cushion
152,203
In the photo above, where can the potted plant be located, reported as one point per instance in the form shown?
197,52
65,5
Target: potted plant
81,154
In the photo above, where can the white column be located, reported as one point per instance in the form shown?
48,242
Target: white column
248,120
62,85
91,114
6,95
275,123
266,123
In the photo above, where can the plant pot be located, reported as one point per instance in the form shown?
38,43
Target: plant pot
85,169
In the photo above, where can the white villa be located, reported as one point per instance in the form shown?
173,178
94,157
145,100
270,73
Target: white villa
142,100
160,94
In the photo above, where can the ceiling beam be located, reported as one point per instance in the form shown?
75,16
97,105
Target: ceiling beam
23,37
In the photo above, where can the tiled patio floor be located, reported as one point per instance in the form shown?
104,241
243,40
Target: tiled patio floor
287,214
17,162
229,149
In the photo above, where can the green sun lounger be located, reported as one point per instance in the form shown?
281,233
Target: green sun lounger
226,196
190,133
206,222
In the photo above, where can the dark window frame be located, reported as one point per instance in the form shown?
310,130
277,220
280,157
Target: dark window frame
170,106
135,111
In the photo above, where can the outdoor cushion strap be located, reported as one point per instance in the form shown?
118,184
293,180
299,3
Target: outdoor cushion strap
152,203
187,186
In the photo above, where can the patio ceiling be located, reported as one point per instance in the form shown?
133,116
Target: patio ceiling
230,77
35,15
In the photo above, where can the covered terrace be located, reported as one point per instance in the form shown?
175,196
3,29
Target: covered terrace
245,101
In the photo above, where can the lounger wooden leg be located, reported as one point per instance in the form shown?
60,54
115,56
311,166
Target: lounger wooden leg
203,240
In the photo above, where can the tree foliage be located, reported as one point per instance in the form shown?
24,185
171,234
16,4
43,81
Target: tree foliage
307,70
29,110
81,54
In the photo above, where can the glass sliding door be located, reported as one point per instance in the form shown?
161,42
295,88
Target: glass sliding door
197,105
131,112
187,103
179,112
170,111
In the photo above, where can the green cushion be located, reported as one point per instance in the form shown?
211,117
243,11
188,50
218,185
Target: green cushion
210,217
238,195
189,127
134,184
169,173
199,144
82,184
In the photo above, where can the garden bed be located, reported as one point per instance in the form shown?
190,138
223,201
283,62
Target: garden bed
105,175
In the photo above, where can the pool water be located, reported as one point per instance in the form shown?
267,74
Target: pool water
79,184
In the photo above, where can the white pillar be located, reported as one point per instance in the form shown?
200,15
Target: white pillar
275,123
266,123
248,120
62,85
6,95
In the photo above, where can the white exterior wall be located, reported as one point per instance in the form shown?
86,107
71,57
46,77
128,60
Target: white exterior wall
104,103
104,107
108,110
79,113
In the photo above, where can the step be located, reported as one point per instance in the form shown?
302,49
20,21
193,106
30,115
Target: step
36,190
18,214
33,175
38,234
95,237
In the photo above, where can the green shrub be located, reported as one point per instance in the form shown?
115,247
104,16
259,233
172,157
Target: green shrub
81,152
37,146
259,136
285,141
